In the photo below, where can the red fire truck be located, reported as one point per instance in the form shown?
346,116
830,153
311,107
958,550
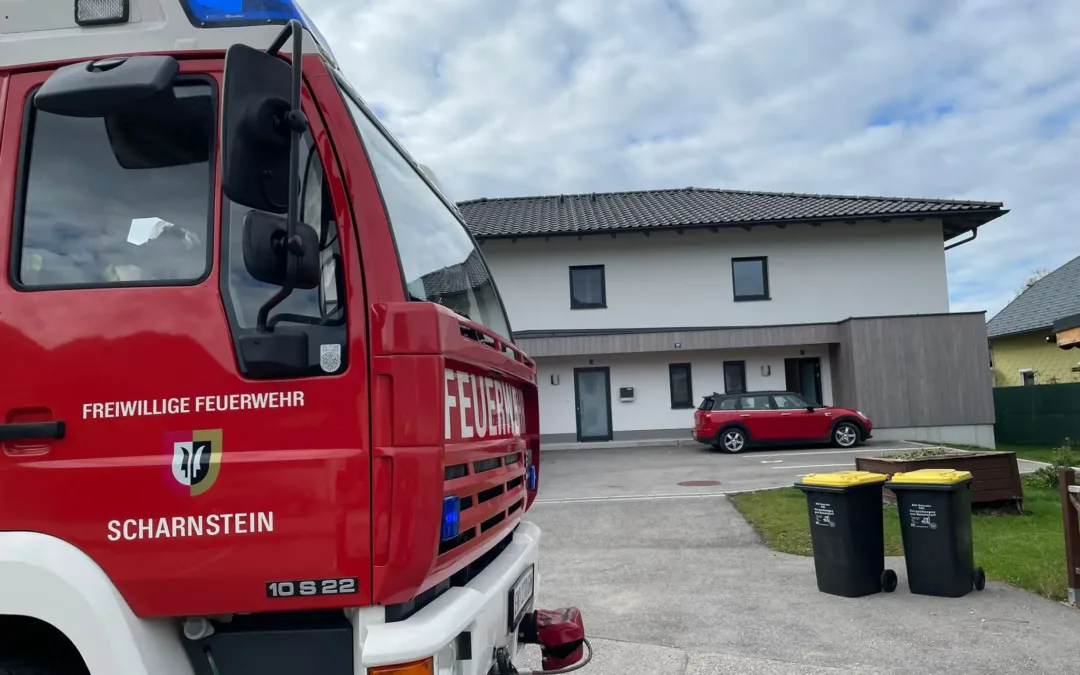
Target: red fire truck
261,410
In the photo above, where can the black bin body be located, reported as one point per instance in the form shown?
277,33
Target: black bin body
847,534
935,525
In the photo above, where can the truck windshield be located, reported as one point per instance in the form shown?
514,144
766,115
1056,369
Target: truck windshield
438,258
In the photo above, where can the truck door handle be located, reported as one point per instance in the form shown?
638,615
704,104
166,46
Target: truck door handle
745,415
25,431
785,414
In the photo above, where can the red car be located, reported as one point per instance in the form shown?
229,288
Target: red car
734,422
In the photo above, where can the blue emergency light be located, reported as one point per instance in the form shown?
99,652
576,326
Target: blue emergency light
530,478
206,13
225,13
451,517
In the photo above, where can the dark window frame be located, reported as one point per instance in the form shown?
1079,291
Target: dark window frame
577,304
764,260
689,401
742,368
22,177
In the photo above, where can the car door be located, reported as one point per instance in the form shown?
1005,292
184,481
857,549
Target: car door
792,420
143,440
757,414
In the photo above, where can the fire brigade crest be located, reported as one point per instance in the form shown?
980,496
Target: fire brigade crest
196,459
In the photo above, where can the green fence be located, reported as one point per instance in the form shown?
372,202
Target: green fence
1045,414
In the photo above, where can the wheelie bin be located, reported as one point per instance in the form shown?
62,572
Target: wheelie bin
935,526
846,532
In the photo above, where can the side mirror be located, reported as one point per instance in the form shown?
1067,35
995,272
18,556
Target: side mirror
255,135
99,88
267,249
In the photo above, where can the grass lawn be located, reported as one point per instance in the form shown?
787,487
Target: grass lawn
1024,550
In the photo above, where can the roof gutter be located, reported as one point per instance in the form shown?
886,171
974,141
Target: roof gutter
974,234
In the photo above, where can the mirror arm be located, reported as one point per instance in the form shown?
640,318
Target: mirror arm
297,124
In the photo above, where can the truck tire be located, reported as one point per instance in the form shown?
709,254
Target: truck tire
17,666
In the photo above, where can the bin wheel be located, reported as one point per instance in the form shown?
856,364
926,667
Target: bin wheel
888,581
979,579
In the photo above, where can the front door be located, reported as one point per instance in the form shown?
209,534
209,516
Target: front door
804,377
592,393
160,454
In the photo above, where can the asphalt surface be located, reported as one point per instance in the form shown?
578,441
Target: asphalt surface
636,472
682,585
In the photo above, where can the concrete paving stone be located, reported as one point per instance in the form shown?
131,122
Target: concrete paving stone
689,575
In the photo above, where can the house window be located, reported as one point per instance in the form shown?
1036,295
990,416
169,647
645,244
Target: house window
1027,378
734,377
587,290
750,278
681,387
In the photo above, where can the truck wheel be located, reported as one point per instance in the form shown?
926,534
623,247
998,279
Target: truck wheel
18,666
979,580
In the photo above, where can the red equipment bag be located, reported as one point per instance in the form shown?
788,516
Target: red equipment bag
560,634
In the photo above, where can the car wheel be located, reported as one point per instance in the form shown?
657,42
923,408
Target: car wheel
846,435
732,440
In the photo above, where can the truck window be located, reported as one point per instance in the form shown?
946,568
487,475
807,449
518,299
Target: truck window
319,311
439,260
123,200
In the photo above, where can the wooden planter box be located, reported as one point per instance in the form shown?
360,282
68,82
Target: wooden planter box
995,475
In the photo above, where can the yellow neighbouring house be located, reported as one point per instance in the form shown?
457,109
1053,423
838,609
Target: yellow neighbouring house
1022,348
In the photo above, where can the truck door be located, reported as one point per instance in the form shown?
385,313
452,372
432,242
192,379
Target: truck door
129,427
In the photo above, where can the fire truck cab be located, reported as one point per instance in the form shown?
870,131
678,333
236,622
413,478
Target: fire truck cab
261,410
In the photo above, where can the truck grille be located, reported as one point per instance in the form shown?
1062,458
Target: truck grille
492,492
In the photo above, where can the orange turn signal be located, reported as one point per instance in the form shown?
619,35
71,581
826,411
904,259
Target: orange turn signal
423,667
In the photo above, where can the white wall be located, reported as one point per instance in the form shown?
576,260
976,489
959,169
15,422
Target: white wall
816,274
648,374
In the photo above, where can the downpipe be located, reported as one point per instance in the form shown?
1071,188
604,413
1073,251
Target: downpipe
974,233
561,636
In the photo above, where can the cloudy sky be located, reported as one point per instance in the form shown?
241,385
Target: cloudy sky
965,99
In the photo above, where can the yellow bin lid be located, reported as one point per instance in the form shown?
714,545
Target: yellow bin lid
841,479
932,477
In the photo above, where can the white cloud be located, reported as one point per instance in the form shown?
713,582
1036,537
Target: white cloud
507,98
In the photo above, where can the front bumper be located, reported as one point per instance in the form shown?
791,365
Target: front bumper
479,609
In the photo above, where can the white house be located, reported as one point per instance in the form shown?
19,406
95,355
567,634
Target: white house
637,304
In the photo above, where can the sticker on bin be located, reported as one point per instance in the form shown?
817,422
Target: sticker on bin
922,517
824,515
841,479
932,477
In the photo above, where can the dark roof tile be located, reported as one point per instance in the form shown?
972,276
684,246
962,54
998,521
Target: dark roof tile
696,207
1054,296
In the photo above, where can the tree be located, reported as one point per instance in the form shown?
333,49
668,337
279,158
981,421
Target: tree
1036,274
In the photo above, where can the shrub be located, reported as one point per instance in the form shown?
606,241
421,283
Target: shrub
1064,456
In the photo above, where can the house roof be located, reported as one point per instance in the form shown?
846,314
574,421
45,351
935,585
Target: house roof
1054,296
555,215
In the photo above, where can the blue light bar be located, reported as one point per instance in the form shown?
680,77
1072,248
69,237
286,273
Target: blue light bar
224,13
451,517
208,13
530,479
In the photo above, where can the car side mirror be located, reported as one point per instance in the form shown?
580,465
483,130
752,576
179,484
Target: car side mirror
810,408
267,249
256,135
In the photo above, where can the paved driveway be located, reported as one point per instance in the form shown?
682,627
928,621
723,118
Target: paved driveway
636,472
682,585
